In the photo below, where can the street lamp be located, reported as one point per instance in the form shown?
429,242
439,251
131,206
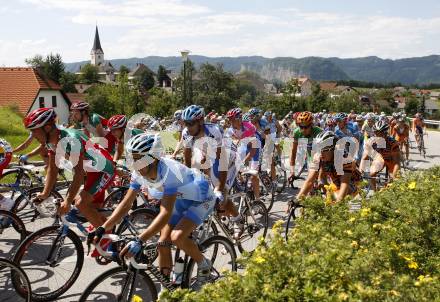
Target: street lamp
187,78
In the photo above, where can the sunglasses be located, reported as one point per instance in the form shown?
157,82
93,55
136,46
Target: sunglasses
190,124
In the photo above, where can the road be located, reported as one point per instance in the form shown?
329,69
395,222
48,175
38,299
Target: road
90,269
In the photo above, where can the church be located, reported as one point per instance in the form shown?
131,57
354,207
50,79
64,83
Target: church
106,70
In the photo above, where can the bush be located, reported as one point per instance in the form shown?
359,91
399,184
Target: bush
388,251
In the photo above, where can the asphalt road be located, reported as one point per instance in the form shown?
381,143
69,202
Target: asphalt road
90,269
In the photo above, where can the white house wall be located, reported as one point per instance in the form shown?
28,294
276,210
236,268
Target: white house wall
62,108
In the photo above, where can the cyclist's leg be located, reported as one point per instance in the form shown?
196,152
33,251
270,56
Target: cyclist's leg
164,249
85,204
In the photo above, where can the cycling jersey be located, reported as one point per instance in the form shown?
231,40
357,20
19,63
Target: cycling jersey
391,149
418,125
368,130
195,197
94,121
298,134
330,172
97,163
247,130
400,133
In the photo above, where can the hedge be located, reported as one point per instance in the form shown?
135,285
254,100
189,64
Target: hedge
388,251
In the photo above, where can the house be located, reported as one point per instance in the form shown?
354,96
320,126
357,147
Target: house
82,88
435,95
431,106
28,89
328,86
137,72
305,85
270,88
76,97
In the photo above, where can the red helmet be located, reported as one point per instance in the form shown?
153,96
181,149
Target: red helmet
234,113
39,118
117,121
79,106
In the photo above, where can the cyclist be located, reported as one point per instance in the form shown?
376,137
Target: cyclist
400,132
186,200
117,125
324,170
418,126
304,130
244,133
94,163
368,127
93,123
221,161
388,157
179,125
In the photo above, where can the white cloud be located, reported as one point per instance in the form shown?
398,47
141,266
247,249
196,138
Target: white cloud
153,27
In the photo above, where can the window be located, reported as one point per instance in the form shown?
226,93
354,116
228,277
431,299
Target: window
41,100
54,101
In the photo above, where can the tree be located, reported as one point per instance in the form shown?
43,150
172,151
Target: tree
146,79
89,74
278,84
51,66
161,103
318,99
68,81
123,70
161,75
411,106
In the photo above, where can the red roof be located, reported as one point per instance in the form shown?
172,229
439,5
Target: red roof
328,86
20,86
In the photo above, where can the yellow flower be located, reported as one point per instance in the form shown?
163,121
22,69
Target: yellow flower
136,298
354,244
348,232
412,185
260,259
365,212
394,293
376,226
413,265
343,296
352,219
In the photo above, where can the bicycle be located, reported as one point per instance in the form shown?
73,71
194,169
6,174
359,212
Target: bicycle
17,290
421,144
58,251
296,210
134,280
12,230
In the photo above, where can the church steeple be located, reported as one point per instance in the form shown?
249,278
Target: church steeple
97,54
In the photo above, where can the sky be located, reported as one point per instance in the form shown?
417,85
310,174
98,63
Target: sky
139,28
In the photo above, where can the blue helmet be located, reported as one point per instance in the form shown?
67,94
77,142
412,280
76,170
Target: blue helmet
340,116
268,113
264,124
193,113
144,143
254,111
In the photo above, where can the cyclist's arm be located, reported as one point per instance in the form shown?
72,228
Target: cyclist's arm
293,156
36,151
100,130
279,129
344,188
222,175
24,145
166,210
121,210
308,184
77,181
187,156
251,153
119,151
51,176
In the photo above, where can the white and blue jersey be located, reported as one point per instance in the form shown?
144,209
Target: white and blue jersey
195,197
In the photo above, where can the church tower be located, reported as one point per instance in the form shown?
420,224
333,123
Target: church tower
97,54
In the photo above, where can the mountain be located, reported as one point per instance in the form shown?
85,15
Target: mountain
421,70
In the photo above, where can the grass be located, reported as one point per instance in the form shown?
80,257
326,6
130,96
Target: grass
12,129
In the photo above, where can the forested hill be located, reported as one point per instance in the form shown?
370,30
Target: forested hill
420,70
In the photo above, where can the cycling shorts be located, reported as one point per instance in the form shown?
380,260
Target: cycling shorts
401,138
197,212
96,184
419,130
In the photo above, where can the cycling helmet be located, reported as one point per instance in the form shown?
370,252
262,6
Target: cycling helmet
381,126
193,113
331,122
369,116
144,143
177,115
247,117
39,118
341,117
395,114
268,113
117,121
254,111
304,118
324,136
234,113
79,106
359,118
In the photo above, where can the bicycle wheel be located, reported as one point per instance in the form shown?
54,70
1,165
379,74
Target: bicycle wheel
136,222
14,284
29,214
15,176
256,223
267,191
220,251
281,178
295,212
115,197
12,232
120,284
52,262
